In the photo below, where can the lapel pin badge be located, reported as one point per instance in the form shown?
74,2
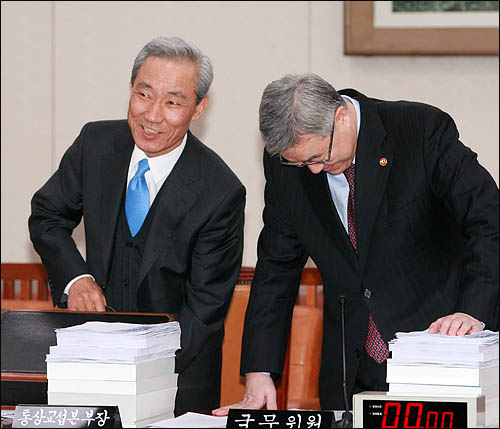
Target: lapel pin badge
382,161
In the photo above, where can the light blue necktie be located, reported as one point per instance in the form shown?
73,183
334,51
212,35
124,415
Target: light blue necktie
137,201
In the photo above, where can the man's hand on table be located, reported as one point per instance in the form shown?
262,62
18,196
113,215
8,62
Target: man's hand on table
86,295
259,393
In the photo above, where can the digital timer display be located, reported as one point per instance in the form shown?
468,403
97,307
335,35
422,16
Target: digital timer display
389,413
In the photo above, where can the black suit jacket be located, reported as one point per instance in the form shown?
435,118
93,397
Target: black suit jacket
192,254
427,241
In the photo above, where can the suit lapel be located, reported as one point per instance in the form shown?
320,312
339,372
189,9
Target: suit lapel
371,180
318,191
371,175
175,200
114,168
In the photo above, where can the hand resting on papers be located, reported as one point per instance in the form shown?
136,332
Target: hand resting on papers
456,324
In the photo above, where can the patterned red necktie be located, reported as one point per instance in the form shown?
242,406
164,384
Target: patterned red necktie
374,345
349,175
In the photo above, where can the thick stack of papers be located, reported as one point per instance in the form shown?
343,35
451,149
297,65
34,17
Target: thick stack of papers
433,364
124,364
474,350
115,342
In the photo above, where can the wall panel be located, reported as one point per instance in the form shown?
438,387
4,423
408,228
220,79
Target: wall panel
67,63
26,130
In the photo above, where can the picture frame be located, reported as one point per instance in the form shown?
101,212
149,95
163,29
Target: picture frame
362,37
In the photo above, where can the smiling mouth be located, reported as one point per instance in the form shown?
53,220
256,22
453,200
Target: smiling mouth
149,130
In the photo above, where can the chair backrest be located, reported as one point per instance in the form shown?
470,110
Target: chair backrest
305,357
232,384
311,288
304,348
24,282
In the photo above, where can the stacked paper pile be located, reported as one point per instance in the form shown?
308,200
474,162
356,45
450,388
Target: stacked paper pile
432,364
124,364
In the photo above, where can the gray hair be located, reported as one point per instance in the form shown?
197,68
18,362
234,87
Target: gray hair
179,49
296,105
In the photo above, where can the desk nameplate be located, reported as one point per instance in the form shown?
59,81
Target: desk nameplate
64,416
278,419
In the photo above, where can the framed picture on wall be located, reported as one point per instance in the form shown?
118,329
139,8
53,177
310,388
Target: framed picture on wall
421,27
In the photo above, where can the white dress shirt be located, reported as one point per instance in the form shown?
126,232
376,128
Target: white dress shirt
160,168
339,187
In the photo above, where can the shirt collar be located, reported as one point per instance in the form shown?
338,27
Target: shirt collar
355,103
160,166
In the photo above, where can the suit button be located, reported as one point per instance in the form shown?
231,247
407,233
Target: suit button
129,244
367,293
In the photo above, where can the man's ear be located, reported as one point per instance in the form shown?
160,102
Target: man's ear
200,108
342,117
341,114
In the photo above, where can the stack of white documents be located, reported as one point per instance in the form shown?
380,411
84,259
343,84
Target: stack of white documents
424,364
124,364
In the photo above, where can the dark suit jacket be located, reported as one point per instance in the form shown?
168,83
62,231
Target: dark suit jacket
192,254
427,240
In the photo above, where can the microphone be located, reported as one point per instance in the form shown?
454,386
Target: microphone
346,420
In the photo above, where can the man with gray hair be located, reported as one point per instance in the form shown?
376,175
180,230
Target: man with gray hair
163,216
398,216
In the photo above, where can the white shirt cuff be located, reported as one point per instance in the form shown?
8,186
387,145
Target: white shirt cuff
66,289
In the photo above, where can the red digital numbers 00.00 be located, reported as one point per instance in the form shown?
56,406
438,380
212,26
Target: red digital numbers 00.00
414,419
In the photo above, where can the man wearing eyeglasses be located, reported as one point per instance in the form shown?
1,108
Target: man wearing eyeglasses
396,213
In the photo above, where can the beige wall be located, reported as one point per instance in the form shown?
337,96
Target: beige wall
67,63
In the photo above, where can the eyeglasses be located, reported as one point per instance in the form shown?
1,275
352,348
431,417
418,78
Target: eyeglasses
305,163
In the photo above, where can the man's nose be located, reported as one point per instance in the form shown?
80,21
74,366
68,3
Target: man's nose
315,168
153,114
